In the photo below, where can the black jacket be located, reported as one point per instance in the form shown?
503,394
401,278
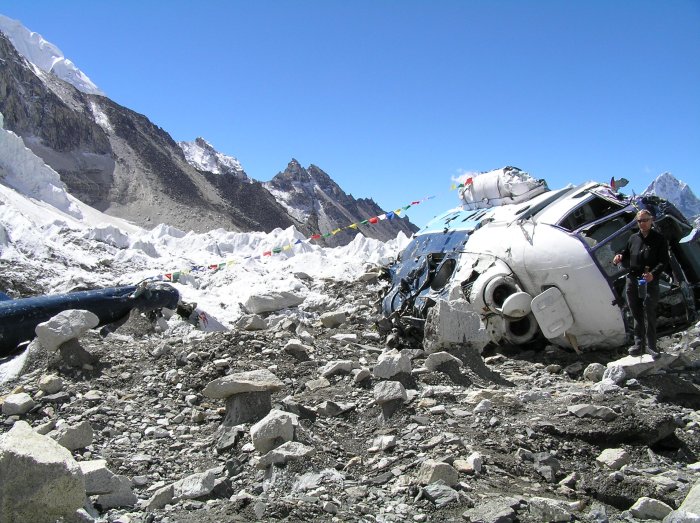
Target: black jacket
642,252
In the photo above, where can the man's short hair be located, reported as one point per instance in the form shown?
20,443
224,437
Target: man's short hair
644,211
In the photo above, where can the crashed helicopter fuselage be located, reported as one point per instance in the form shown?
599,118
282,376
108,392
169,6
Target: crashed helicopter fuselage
536,265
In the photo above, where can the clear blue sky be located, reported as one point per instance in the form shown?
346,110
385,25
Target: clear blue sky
394,98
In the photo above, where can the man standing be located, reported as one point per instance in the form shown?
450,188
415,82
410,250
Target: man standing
646,255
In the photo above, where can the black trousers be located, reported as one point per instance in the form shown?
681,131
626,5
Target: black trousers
643,311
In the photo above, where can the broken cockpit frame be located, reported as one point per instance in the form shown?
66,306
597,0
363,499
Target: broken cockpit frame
536,265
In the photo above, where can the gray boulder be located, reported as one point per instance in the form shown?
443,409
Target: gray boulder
271,302
41,482
66,325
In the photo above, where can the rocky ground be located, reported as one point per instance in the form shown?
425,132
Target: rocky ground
536,435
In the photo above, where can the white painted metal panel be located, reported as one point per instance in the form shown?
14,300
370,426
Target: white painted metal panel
517,305
552,313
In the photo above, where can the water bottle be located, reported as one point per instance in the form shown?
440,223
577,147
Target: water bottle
642,288
642,285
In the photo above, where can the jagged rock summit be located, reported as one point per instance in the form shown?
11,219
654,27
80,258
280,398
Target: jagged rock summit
679,193
315,200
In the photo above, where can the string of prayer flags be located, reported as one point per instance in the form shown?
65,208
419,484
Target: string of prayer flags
369,221
174,276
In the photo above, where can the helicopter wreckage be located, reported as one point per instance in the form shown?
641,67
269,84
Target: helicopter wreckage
19,318
519,264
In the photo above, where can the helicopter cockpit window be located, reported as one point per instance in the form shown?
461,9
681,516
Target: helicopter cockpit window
590,211
604,253
608,238
598,232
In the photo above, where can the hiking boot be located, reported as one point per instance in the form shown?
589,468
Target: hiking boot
655,354
634,351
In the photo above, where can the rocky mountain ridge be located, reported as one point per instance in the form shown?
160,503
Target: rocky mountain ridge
122,164
119,162
313,198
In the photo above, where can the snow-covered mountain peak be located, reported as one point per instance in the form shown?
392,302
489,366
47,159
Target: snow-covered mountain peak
204,157
45,56
677,192
666,183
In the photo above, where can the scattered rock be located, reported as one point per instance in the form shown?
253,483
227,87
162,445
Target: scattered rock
17,404
286,452
390,395
321,423
334,319
195,485
546,509
614,458
648,508
248,394
73,437
251,322
433,471
273,430
50,383
272,302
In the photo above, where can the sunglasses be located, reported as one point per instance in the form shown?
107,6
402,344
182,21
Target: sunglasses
644,220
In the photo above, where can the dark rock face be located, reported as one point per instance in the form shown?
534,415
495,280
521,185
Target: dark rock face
30,109
254,205
61,134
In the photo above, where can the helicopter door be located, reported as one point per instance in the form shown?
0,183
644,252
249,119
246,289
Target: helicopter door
552,313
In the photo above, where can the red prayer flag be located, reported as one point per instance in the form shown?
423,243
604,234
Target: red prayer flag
373,220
